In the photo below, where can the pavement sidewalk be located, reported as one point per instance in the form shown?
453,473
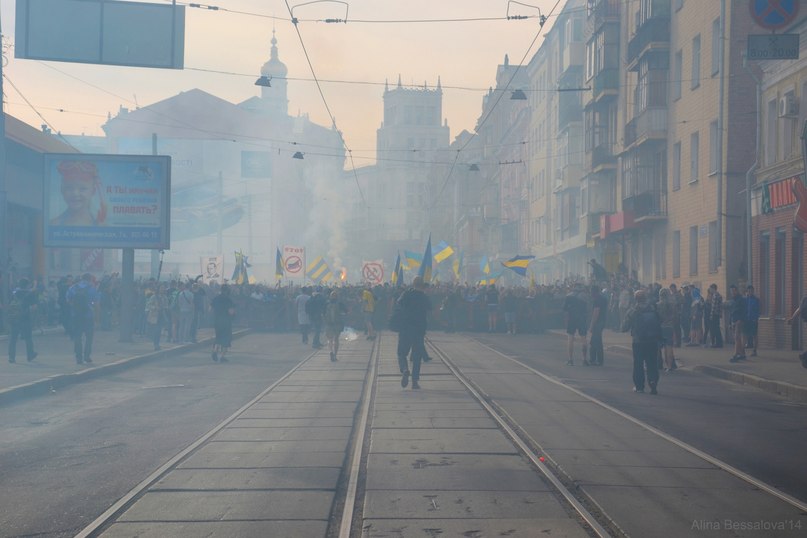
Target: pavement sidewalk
55,366
774,370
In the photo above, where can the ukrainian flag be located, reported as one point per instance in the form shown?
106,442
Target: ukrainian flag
519,264
240,273
397,273
484,265
318,271
413,259
442,251
491,279
426,267
278,265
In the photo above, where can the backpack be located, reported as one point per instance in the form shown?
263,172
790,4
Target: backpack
647,326
80,302
16,308
803,309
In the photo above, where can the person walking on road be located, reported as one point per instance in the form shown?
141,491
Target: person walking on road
599,313
223,311
738,311
315,308
155,305
666,312
335,312
368,310
303,320
574,308
644,325
751,319
19,307
415,306
81,299
715,315
800,314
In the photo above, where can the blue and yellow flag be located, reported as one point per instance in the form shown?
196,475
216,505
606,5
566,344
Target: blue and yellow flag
490,279
456,265
397,273
425,271
442,251
519,264
240,273
413,259
484,265
278,265
318,271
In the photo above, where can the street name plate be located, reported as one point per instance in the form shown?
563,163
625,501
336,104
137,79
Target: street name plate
773,46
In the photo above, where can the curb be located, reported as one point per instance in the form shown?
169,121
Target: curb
786,390
47,385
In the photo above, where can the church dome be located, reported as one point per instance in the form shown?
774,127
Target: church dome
274,67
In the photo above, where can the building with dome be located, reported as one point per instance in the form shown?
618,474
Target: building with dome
236,184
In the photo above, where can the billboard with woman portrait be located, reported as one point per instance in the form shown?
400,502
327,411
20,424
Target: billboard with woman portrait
107,201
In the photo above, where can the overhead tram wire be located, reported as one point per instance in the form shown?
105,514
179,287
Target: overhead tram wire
53,129
493,107
325,102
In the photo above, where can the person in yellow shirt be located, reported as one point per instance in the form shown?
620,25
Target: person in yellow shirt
368,309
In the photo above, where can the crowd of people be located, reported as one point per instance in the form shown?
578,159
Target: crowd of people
176,308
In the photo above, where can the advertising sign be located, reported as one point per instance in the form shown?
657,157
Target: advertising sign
294,261
107,201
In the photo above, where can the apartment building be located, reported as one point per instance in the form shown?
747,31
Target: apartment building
777,246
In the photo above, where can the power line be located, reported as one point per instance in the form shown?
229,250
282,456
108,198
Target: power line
51,127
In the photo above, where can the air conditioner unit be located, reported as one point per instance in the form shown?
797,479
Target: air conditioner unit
788,106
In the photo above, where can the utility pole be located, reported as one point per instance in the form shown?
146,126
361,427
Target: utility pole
155,253
4,254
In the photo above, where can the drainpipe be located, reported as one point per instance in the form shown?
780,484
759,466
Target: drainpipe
749,175
720,124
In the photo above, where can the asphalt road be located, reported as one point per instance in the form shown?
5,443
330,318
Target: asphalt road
65,458
757,432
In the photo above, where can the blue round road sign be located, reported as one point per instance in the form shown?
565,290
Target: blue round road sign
774,14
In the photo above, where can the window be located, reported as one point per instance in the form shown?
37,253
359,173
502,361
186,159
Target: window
770,133
764,273
780,272
661,257
693,251
787,124
716,41
676,255
694,150
696,62
678,70
676,171
714,254
714,150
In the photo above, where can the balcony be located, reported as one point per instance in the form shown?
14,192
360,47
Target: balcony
572,58
651,124
603,11
569,109
647,206
602,155
606,82
653,34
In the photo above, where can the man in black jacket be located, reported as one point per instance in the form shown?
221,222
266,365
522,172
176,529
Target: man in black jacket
415,307
644,325
19,317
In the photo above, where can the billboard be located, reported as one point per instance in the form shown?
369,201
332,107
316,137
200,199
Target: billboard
107,201
135,34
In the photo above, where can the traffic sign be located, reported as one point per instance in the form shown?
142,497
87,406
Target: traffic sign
773,46
774,14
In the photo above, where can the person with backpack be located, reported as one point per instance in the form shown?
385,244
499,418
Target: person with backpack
223,308
575,310
644,325
184,302
81,300
303,319
18,310
335,312
800,314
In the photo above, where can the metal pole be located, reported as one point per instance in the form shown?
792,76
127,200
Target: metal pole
221,225
4,257
127,296
156,259
720,127
749,240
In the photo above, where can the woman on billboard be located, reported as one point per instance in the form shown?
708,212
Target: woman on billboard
80,185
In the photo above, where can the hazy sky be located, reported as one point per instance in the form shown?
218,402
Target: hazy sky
76,98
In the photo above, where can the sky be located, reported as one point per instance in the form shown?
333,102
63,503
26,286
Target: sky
225,49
